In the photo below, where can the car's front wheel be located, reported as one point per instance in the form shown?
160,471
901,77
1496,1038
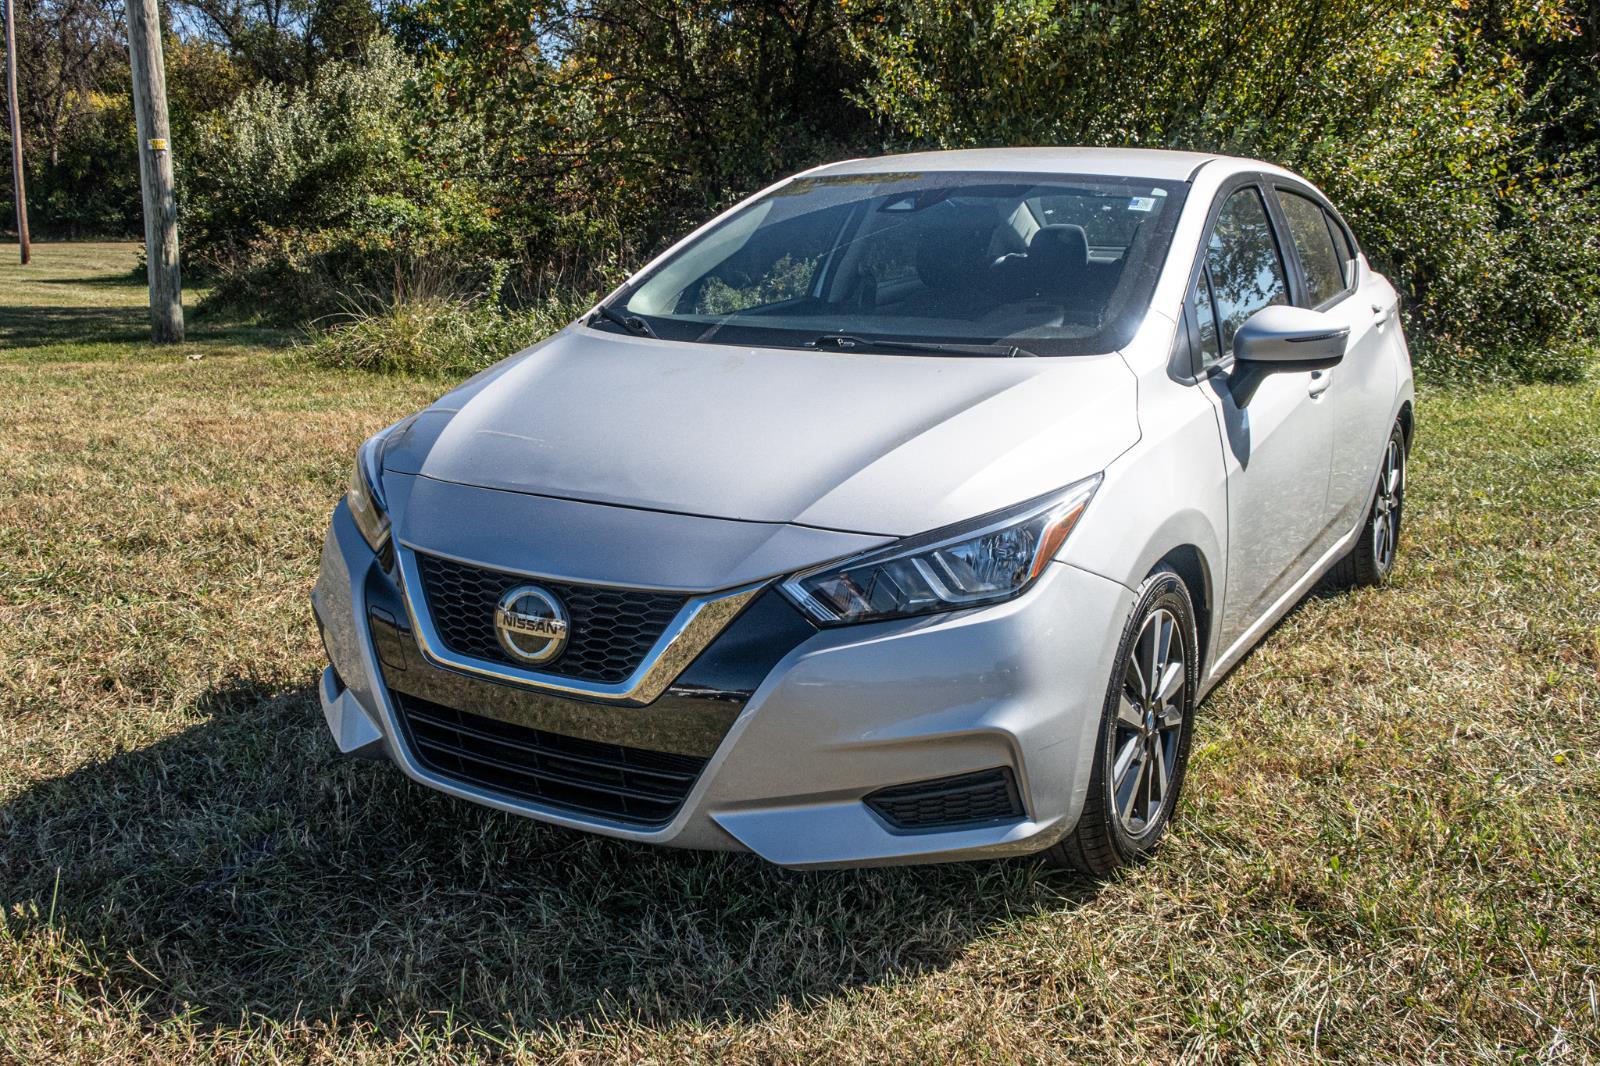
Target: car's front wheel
1143,746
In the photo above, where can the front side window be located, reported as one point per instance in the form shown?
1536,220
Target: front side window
1055,265
1313,241
1246,269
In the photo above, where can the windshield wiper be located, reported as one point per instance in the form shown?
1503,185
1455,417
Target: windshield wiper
843,342
632,323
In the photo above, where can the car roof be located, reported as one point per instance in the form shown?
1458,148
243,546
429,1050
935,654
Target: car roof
1156,164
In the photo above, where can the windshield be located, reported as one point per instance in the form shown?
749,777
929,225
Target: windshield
1053,265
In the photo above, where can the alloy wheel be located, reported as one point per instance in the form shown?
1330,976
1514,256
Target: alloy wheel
1149,723
1386,507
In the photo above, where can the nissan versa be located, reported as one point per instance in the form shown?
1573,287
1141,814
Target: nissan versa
904,512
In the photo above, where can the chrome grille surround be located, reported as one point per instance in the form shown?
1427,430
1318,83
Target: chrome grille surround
689,632
610,631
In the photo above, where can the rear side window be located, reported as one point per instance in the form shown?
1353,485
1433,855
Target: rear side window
1246,269
1319,260
1347,253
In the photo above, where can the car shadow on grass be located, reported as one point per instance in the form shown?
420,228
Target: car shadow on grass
240,866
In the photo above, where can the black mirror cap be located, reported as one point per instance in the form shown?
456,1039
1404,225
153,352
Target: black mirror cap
1291,338
1284,340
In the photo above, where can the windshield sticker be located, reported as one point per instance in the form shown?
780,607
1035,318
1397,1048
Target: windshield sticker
1142,203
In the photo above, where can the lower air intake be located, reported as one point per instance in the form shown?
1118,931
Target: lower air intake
585,776
985,797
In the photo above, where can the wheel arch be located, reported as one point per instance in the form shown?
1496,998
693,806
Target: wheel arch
1189,563
1407,422
1187,541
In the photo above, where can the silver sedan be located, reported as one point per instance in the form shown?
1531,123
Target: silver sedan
903,513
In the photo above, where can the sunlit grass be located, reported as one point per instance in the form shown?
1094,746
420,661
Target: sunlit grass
1389,847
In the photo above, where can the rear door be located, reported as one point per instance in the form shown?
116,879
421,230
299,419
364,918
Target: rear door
1361,387
1279,446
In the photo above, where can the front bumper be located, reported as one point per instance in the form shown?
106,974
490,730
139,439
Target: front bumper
846,712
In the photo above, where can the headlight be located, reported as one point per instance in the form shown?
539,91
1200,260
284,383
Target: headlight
365,497
987,560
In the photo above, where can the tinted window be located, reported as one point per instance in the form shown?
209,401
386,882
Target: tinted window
1109,223
1246,270
1347,253
779,263
1206,314
1319,261
1055,264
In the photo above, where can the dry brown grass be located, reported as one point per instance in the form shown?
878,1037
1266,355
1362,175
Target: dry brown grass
1389,849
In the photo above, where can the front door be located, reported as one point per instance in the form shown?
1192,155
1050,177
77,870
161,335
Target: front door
1364,382
1280,445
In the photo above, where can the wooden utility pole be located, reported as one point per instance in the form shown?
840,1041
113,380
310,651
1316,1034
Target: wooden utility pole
15,108
155,171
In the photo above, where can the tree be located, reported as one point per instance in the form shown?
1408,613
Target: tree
1413,116
281,41
67,51
661,109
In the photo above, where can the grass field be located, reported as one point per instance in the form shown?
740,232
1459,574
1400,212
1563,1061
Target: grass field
1389,848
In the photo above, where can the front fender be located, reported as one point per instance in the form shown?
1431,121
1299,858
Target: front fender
1167,493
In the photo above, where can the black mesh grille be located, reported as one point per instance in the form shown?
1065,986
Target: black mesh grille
627,784
949,802
611,629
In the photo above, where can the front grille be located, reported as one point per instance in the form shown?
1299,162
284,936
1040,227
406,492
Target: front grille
950,802
586,776
612,630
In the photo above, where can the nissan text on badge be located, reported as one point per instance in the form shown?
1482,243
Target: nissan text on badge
905,512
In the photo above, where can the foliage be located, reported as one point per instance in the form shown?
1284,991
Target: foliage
73,88
77,115
77,128
567,139
640,117
1406,114
281,41
296,195
87,185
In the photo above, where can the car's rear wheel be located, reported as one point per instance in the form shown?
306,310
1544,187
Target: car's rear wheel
1143,747
1372,559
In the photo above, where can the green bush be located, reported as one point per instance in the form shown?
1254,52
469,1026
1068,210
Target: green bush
562,144
1413,118
626,122
296,198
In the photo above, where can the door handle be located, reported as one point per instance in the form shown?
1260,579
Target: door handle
1320,381
1383,314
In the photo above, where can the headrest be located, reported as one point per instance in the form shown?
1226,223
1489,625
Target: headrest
952,258
1057,257
1063,243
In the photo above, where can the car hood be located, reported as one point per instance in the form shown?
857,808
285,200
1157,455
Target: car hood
881,444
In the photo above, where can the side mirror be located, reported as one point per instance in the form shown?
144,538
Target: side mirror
1283,340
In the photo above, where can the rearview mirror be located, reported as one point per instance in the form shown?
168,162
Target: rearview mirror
1283,340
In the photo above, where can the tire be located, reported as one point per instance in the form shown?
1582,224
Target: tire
1371,561
1123,818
